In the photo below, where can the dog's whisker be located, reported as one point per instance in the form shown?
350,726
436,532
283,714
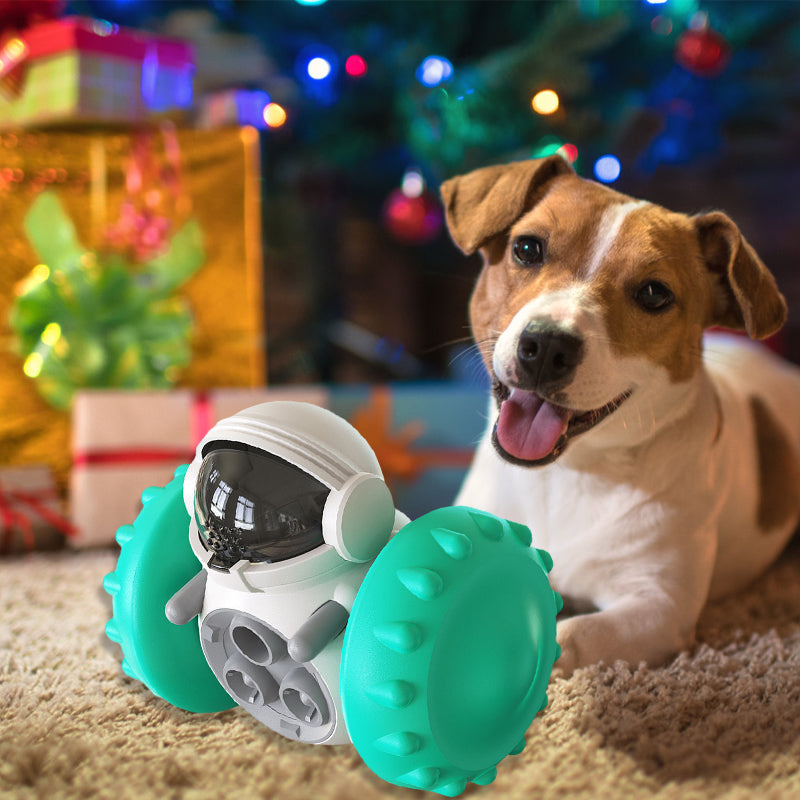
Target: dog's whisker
467,339
465,352
475,370
486,346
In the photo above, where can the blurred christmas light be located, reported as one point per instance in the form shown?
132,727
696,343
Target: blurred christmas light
103,27
12,52
319,68
274,115
413,184
33,365
414,220
39,274
607,169
547,146
434,70
51,334
545,102
355,66
568,152
310,2
702,50
655,2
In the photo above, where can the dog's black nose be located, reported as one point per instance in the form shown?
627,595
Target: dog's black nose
547,358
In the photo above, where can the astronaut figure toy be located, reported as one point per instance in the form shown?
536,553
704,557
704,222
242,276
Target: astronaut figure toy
430,650
288,510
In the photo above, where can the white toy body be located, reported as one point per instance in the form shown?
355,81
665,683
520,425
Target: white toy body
284,595
255,616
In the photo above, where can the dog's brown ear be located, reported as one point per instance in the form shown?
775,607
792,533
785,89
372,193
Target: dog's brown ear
748,297
486,202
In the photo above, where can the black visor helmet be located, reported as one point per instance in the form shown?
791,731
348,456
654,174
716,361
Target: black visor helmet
253,505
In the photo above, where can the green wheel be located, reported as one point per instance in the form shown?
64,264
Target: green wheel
155,561
449,650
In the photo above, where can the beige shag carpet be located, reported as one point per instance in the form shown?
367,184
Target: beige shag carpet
720,721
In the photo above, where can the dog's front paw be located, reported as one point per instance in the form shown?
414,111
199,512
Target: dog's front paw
567,662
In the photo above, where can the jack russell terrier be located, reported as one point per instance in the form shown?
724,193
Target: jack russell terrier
657,473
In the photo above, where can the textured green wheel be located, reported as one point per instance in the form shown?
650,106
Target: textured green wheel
155,561
449,650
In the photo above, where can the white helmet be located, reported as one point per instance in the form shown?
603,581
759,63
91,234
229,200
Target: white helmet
277,446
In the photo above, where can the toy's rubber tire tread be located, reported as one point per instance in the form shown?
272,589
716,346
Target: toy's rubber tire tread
156,559
449,650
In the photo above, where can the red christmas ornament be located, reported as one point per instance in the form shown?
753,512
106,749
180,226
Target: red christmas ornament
412,219
703,52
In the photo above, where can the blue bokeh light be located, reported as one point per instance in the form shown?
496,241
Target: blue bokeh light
434,70
319,68
607,169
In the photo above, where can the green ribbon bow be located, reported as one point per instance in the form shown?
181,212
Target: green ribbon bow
82,320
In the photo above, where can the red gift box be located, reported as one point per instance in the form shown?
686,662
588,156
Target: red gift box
31,513
85,70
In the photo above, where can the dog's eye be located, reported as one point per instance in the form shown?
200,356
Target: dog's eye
528,250
654,296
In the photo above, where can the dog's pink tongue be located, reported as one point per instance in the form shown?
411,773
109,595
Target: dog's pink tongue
528,428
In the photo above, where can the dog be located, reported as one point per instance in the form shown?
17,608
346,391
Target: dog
659,468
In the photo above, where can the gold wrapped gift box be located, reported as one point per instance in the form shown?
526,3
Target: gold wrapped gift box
220,188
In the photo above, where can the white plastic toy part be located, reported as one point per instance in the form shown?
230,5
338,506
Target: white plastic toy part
235,621
359,515
270,629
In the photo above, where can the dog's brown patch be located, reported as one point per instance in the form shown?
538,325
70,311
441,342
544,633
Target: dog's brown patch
656,245
565,219
746,295
486,202
778,469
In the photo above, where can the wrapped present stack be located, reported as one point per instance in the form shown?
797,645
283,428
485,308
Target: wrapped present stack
131,289
132,247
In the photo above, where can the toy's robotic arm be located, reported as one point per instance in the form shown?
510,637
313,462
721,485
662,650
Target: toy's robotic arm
318,631
187,602
313,636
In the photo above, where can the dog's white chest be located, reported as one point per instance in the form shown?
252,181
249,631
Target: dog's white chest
592,526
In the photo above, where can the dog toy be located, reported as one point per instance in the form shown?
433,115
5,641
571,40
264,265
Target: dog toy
325,613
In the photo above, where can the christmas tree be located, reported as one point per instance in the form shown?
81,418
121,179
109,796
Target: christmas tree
373,104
